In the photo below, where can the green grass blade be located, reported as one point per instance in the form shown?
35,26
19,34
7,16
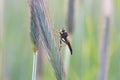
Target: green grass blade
41,30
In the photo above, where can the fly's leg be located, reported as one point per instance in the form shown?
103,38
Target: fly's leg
60,44
63,40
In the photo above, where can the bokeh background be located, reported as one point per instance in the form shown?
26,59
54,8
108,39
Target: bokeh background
87,38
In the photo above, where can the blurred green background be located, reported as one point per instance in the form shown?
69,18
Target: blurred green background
16,62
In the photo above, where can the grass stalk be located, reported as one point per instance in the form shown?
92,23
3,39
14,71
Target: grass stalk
70,18
42,30
34,66
1,37
67,61
104,39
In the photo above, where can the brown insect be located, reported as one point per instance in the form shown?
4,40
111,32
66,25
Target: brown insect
64,38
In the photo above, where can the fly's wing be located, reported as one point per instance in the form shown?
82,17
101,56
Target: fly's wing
57,37
56,33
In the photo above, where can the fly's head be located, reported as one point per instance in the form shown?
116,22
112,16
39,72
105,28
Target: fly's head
63,33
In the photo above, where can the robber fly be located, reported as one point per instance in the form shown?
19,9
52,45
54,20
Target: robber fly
64,38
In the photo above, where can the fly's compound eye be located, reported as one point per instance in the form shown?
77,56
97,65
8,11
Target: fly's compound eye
63,30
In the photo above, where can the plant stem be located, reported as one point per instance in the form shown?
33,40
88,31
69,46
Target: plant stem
104,39
34,66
